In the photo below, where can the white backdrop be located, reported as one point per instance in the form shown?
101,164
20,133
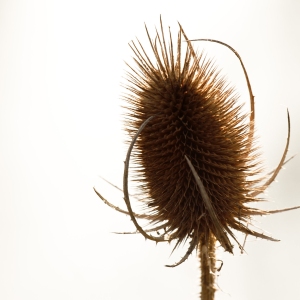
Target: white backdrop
61,64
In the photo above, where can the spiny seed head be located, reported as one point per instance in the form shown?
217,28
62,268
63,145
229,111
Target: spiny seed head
197,115
193,147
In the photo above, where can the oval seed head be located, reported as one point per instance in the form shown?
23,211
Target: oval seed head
195,159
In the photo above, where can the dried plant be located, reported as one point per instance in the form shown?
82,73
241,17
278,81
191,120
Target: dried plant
196,159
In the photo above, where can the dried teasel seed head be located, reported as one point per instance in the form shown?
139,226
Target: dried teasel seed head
196,161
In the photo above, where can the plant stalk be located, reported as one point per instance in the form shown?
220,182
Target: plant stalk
207,256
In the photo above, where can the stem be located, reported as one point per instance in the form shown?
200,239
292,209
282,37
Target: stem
207,258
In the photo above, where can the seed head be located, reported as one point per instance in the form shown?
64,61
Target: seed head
196,159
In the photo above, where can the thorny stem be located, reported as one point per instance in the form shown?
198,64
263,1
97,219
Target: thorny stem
207,256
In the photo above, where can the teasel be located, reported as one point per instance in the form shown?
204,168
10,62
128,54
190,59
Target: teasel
196,159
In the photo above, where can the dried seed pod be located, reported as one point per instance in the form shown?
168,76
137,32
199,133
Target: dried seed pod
196,159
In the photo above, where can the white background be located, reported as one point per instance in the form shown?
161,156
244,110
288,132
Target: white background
61,64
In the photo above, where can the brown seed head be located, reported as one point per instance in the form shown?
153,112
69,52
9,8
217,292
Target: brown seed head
195,154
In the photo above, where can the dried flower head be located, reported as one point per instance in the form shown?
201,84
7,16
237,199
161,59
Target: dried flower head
195,155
